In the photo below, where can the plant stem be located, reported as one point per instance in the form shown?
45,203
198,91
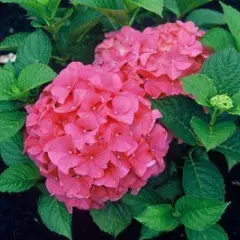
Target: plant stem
214,117
133,17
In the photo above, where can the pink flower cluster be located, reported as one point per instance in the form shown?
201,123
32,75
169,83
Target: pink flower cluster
93,140
154,60
92,132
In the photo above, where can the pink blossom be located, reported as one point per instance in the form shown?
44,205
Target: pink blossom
153,62
94,136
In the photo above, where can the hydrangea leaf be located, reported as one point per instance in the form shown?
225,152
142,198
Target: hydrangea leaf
201,87
214,233
148,233
201,178
19,178
155,6
159,218
218,39
212,137
137,203
55,216
172,6
231,148
7,80
10,105
231,162
12,150
206,17
10,68
170,190
36,48
224,69
114,9
236,104
199,213
232,16
177,113
186,6
35,75
10,124
12,42
113,218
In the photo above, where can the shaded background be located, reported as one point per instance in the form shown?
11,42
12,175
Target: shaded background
18,212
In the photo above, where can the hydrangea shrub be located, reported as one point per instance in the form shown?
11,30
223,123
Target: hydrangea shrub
104,113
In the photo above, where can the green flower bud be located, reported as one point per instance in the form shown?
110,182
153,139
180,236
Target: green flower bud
222,102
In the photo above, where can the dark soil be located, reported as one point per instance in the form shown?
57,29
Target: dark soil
18,212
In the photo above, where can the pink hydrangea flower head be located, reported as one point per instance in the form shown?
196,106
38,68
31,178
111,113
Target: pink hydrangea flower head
153,62
92,138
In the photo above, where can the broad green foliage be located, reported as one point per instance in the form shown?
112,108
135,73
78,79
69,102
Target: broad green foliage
19,178
206,17
155,6
236,104
10,124
232,16
172,6
114,9
7,80
12,42
12,150
113,218
201,178
147,233
36,49
177,113
159,218
186,6
10,105
218,39
201,87
231,148
138,203
35,75
55,216
170,190
212,137
199,213
224,69
214,233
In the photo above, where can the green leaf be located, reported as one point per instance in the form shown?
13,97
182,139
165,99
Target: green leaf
36,49
10,68
155,6
7,80
231,148
198,213
12,42
186,6
35,75
206,18
52,8
177,113
231,162
214,233
10,105
159,218
218,39
236,104
170,190
147,233
113,218
19,178
172,6
201,178
10,124
137,203
232,16
12,150
55,216
201,87
224,68
114,9
212,137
